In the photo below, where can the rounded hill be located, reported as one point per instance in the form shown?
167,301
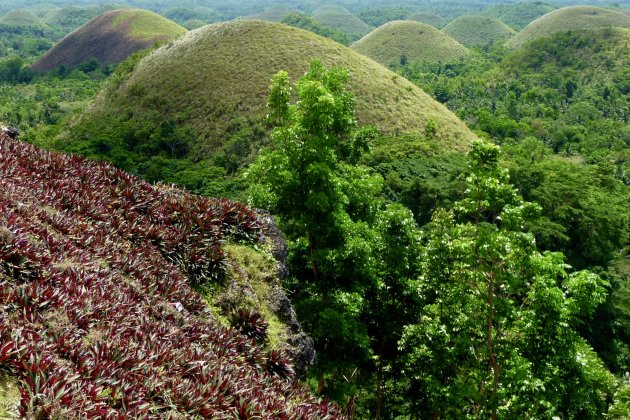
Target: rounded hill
518,15
341,19
406,41
273,14
216,79
22,19
429,18
110,38
570,19
474,31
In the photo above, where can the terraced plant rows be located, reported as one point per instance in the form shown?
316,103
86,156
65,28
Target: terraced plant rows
97,314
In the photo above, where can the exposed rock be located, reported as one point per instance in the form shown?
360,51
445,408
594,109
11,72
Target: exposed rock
12,132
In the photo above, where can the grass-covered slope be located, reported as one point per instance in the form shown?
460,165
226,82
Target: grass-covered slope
341,19
215,80
110,38
22,19
429,18
474,31
69,18
518,15
407,41
272,14
570,19
97,315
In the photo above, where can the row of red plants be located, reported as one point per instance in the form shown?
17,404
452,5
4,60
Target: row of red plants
97,314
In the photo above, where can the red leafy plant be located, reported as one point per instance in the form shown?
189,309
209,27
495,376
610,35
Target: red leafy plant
98,317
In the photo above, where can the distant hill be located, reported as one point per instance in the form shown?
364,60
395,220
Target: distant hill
429,18
474,31
69,18
409,41
273,14
569,19
518,15
22,19
106,263
110,38
204,98
340,18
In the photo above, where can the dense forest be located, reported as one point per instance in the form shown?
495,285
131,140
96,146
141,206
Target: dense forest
436,277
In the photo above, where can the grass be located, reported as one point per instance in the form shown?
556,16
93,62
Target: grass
478,31
110,38
9,396
22,19
272,14
518,15
429,18
340,18
222,72
146,26
570,19
414,40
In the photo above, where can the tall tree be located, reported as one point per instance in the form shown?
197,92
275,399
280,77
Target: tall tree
496,337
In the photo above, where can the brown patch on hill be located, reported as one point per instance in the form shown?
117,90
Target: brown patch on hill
100,38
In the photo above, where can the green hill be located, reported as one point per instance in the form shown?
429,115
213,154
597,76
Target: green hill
204,97
273,14
400,41
69,18
570,19
429,18
110,38
478,31
22,19
518,15
339,18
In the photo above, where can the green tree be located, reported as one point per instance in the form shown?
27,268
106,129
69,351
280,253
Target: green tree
497,335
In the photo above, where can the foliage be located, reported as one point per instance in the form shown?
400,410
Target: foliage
382,15
98,317
496,337
250,323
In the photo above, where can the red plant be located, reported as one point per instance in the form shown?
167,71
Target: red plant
97,314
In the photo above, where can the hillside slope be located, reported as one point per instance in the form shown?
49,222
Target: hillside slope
98,317
474,31
414,41
429,18
110,38
518,15
22,19
570,19
214,82
341,19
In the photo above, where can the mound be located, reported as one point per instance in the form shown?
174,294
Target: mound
429,18
401,40
70,18
110,38
473,31
22,19
570,19
273,14
98,317
341,19
215,80
520,14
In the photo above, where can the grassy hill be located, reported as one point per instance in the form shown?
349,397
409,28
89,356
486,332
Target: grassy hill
340,18
410,42
110,38
518,15
99,315
474,31
429,18
69,18
22,19
570,19
204,97
273,14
